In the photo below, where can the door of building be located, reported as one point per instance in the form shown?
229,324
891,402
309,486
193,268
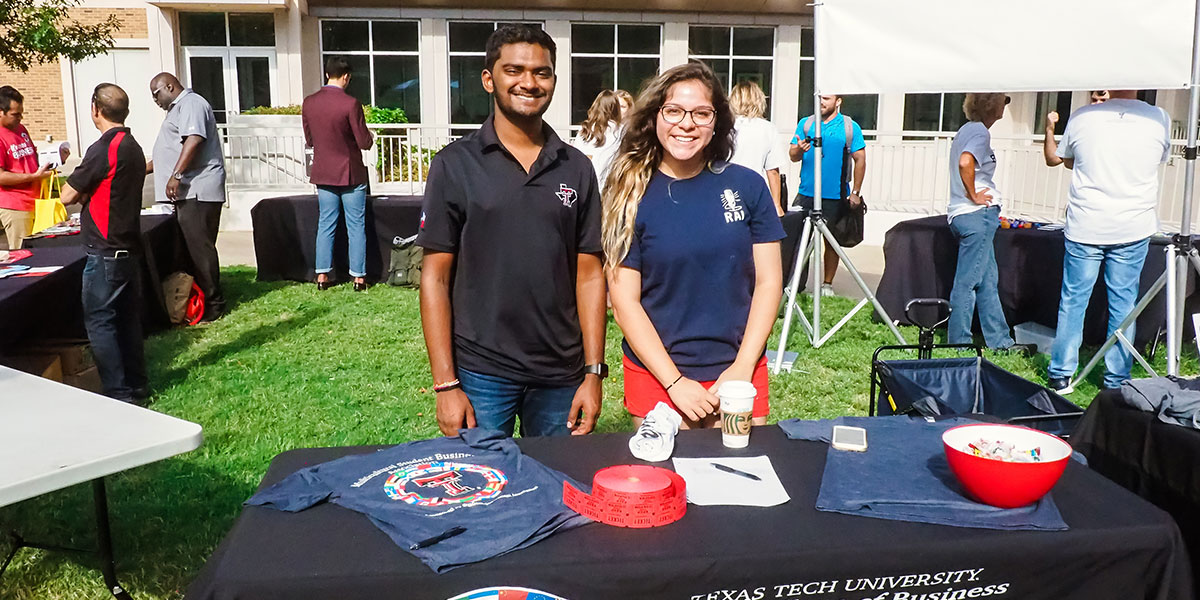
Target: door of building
231,79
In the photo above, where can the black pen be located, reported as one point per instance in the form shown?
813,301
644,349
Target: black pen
735,471
441,537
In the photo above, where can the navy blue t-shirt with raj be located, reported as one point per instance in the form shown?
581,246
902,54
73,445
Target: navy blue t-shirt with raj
479,481
693,243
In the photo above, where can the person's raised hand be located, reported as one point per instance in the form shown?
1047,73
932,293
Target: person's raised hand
1051,119
454,412
692,399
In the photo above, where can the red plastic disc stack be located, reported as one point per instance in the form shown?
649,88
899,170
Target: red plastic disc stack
631,496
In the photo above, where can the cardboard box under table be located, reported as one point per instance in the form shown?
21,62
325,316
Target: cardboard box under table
1118,545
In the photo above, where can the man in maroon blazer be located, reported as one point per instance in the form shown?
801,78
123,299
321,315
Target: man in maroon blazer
336,130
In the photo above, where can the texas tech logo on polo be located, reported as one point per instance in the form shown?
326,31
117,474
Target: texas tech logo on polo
438,483
567,195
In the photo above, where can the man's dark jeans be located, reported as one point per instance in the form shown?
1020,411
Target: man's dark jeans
112,313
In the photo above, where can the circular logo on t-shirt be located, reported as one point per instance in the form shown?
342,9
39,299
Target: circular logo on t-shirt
444,483
506,593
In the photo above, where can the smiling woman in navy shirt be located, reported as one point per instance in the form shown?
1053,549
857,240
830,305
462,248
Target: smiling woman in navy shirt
692,250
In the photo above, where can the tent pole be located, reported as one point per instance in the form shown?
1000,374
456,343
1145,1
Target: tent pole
1183,244
818,263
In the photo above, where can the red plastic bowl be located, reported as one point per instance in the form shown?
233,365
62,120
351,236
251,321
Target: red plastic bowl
1000,483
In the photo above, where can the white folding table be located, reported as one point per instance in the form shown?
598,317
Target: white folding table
53,436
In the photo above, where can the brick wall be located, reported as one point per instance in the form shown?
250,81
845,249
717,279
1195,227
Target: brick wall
42,84
133,20
42,88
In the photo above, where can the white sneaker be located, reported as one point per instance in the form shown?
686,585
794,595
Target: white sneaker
654,440
827,290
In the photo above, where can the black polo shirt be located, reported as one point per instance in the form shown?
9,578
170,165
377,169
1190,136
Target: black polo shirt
517,237
111,177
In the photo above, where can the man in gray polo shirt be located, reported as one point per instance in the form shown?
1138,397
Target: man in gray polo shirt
191,175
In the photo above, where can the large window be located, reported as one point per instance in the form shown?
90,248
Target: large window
469,104
384,55
229,59
226,29
737,54
933,112
609,57
863,108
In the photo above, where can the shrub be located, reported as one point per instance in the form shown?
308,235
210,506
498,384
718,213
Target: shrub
291,109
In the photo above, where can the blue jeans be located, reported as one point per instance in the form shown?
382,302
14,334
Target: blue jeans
1122,274
975,280
497,402
332,199
112,315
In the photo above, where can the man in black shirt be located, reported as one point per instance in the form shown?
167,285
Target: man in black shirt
109,184
512,287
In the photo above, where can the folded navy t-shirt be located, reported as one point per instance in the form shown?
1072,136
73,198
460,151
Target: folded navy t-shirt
478,481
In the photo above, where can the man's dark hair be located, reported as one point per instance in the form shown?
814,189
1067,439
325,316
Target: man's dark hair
516,34
8,95
337,66
112,102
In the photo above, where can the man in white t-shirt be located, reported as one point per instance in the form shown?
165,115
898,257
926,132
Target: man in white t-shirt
1114,150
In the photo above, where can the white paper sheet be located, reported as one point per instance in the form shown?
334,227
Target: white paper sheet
709,486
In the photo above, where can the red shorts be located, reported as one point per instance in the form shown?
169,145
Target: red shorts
643,391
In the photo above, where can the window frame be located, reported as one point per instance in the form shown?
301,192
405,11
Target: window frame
616,55
225,19
371,53
731,57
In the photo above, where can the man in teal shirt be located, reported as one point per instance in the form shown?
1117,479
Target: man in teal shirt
834,187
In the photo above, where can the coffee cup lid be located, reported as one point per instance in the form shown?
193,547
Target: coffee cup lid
737,389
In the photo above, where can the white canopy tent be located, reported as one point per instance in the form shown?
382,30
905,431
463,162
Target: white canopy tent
915,46
879,46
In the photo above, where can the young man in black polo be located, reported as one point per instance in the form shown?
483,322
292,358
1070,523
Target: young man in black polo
109,184
512,287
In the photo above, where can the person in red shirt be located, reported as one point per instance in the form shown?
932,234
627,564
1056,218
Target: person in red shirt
20,175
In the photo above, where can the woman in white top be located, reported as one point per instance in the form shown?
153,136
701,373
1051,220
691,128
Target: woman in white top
600,135
756,144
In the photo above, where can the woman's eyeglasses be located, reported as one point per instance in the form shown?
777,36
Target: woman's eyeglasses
700,116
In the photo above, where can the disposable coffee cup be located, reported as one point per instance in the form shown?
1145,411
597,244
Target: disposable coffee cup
737,408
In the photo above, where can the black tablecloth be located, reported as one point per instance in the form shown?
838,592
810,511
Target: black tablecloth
1155,460
1119,546
285,236
51,307
920,256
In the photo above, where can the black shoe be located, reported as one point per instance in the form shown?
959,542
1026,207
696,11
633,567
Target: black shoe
360,286
1059,383
1022,349
323,285
211,314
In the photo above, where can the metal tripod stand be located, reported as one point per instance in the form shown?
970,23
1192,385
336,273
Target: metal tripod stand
810,252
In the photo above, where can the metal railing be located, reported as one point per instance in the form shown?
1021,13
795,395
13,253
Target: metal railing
258,156
907,171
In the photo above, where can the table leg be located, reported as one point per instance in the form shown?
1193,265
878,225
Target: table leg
104,538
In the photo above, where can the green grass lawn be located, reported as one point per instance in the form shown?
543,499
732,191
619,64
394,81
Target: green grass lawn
290,367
